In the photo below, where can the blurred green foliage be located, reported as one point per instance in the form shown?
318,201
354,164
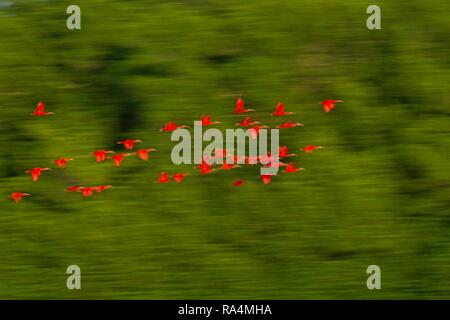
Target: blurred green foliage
378,194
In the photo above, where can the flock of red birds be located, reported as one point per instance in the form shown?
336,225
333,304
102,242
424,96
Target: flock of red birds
205,167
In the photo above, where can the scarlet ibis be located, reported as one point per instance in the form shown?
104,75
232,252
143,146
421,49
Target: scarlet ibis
36,172
310,148
102,188
87,191
163,177
290,124
247,122
62,162
279,111
238,183
266,178
118,158
283,152
239,108
329,104
171,126
205,167
227,166
73,188
206,121
290,167
254,131
144,153
40,110
17,196
179,177
275,164
129,143
100,155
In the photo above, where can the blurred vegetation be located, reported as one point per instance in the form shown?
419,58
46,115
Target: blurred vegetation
378,194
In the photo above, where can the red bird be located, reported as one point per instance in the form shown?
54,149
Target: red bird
40,110
329,104
283,152
102,188
290,124
275,164
310,148
206,121
87,191
238,183
254,131
100,155
205,168
179,177
171,126
17,196
62,162
291,168
74,188
144,153
239,108
279,111
163,177
247,122
129,143
227,166
118,158
266,178
36,172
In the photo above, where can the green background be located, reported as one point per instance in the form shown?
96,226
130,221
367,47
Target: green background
378,194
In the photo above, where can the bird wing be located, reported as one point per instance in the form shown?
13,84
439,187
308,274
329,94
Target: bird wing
280,108
40,107
239,105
